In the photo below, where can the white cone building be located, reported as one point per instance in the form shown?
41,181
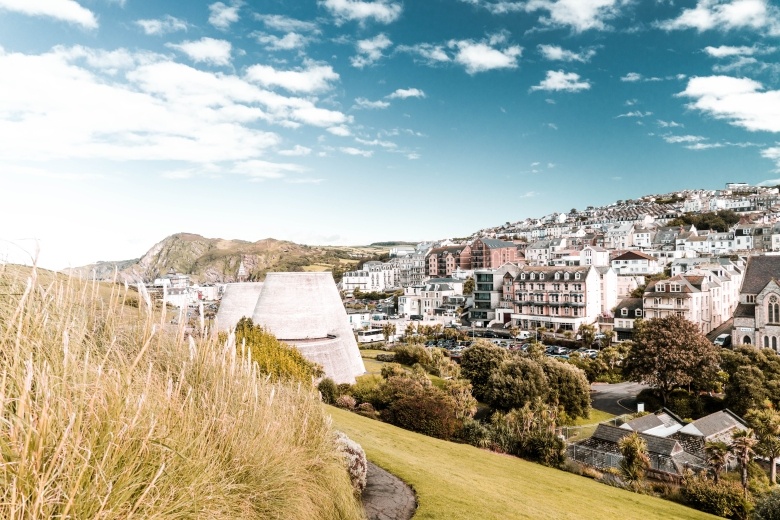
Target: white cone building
303,310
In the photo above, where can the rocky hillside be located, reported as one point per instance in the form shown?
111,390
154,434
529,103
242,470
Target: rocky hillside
210,260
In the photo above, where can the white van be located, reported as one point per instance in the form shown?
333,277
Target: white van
523,334
724,340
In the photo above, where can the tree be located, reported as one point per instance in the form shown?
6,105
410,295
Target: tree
670,352
766,426
468,286
742,444
635,460
587,334
478,362
568,387
717,456
388,329
517,381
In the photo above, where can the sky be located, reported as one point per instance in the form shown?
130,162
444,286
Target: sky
345,122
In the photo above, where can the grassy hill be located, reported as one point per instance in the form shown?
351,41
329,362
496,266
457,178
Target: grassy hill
209,260
456,481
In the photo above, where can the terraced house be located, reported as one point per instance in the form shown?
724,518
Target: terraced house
441,262
555,297
491,253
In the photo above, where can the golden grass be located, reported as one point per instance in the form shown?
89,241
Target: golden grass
105,415
456,481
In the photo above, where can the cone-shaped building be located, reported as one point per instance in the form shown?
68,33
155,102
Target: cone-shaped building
238,301
303,310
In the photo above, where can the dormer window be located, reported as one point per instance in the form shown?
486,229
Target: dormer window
577,276
557,276
541,276
566,276
624,312
533,276
638,313
522,276
660,287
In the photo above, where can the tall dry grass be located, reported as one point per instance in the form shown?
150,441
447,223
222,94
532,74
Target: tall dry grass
103,414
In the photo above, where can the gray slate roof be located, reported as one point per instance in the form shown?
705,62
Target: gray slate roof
655,445
760,269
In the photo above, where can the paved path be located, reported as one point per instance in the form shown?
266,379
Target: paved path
386,497
616,399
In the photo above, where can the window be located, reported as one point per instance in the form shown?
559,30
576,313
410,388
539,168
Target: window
766,341
522,276
577,276
773,310
660,287
533,276
638,313
750,298
679,302
566,276
541,276
557,276
624,312
774,343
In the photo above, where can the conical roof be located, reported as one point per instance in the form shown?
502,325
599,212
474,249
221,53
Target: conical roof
238,301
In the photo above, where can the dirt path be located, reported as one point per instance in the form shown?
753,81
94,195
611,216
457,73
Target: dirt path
386,497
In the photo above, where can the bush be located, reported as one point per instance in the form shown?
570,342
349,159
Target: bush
724,499
421,409
346,401
475,433
412,354
367,410
355,460
768,507
386,358
329,391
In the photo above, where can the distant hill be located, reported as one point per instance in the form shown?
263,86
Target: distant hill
212,260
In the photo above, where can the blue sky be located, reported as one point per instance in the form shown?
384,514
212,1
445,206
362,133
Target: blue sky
353,121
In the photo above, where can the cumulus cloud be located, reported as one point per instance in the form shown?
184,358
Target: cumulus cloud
165,25
631,77
558,80
156,110
349,150
668,124
430,53
489,54
727,15
369,51
341,131
403,93
313,77
295,151
65,10
556,53
742,102
288,42
222,15
286,24
205,50
579,15
773,154
381,11
726,51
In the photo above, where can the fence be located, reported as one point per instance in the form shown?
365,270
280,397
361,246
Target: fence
604,459
578,433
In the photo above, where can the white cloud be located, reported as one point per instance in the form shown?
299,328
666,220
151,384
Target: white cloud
725,51
205,50
704,146
636,113
295,151
259,170
632,77
341,131
66,10
482,56
315,77
370,50
367,104
404,93
668,124
382,11
349,150
286,24
288,42
222,15
741,101
727,15
556,53
430,53
774,155
562,81
156,110
580,15
165,25
413,156
376,142
675,139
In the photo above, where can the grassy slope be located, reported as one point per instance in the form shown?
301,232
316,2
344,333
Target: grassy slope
455,481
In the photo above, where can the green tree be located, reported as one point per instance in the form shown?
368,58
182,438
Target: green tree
517,381
768,507
587,332
388,329
568,387
468,286
766,426
635,459
478,362
670,352
742,446
717,456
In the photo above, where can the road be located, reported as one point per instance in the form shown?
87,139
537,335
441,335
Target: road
617,399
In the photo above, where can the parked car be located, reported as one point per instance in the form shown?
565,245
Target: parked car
724,340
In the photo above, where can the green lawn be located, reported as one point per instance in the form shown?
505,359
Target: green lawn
456,481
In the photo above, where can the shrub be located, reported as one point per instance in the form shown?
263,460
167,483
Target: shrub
346,401
425,410
475,433
367,410
391,370
355,460
366,389
724,499
386,358
768,507
411,355
328,390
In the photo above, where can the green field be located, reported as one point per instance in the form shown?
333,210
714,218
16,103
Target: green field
456,481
